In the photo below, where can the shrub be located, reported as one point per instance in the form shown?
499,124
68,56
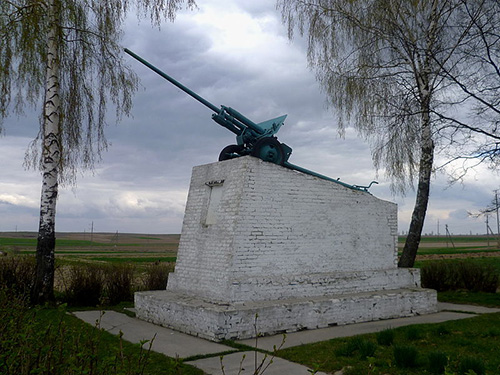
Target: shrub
405,356
17,273
441,276
468,275
471,363
118,283
157,275
478,278
385,337
86,284
437,362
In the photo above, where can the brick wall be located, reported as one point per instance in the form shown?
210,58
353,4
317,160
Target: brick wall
247,221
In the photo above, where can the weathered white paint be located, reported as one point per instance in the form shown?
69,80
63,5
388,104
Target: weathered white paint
299,251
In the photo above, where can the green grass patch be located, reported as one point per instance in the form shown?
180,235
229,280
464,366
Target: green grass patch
456,250
455,239
474,337
90,252
470,298
134,260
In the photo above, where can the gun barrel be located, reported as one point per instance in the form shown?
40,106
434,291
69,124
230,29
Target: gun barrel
173,81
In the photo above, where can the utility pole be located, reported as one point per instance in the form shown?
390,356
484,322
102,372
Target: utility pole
91,233
487,230
498,221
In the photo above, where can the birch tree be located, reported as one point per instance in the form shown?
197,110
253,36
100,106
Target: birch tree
64,57
379,63
474,76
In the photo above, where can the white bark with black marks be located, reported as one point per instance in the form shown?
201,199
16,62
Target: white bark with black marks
51,158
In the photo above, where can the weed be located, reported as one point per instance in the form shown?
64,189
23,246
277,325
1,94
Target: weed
471,363
437,362
349,348
413,333
354,370
492,332
49,341
367,349
442,330
405,356
260,364
385,337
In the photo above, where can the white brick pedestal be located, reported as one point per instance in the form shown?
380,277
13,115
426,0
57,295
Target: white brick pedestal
299,251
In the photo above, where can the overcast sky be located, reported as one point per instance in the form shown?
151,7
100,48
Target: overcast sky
232,52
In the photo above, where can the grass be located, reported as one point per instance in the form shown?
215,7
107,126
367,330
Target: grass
470,298
477,337
49,341
455,239
456,250
31,242
134,259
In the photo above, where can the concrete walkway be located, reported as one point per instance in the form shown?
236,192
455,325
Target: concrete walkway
173,343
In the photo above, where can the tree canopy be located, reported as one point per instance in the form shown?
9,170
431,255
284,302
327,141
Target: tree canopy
64,56
383,66
92,69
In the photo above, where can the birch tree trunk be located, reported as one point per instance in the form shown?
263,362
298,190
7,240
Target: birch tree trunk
43,287
422,199
427,146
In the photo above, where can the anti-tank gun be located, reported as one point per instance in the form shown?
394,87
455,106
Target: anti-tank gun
255,139
251,139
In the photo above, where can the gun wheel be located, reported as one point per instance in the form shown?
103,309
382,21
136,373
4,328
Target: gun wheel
269,149
230,152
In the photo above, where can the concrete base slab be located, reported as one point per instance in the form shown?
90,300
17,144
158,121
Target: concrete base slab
219,321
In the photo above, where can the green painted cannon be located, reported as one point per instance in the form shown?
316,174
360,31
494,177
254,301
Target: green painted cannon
255,139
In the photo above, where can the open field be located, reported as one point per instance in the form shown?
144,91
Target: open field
110,247
434,247
151,247
119,247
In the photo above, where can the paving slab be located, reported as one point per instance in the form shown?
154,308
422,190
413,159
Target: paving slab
166,341
467,308
173,343
232,363
446,312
